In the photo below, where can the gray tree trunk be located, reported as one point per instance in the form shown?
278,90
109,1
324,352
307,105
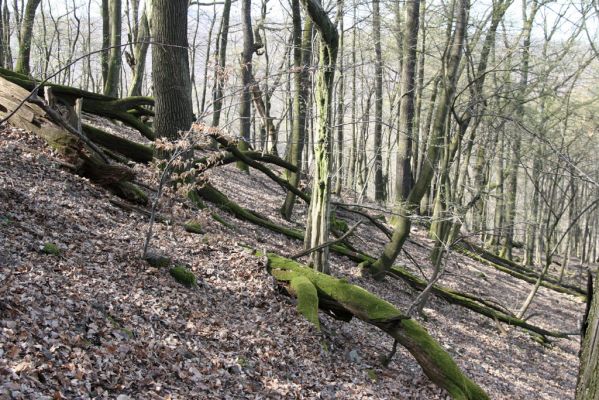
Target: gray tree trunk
170,68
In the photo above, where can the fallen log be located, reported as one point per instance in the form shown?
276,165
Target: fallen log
473,303
315,290
517,271
132,150
127,110
87,160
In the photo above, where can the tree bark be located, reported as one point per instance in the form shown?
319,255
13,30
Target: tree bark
26,33
141,50
245,103
170,68
113,75
317,226
302,54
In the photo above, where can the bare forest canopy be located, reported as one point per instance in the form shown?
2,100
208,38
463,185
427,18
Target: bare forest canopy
476,122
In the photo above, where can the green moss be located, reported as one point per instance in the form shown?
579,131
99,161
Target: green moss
196,200
183,275
372,375
362,303
450,376
50,248
242,361
222,221
307,298
193,226
338,224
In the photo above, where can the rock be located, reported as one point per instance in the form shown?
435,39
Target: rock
353,356
158,260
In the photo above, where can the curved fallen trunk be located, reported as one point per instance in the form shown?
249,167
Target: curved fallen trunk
315,290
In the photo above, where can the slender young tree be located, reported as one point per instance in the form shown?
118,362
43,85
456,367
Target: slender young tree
302,54
219,71
141,50
105,55
379,184
245,103
451,70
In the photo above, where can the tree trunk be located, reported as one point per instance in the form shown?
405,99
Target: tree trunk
26,34
587,387
379,184
141,50
302,54
451,74
245,102
219,72
317,226
111,87
105,55
170,68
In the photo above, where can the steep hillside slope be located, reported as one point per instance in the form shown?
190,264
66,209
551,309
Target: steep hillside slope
95,321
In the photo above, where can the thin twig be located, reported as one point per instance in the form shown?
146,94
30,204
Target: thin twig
327,244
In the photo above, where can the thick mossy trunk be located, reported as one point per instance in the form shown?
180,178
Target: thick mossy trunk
132,150
338,297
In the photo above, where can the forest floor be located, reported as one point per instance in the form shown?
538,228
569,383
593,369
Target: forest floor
96,321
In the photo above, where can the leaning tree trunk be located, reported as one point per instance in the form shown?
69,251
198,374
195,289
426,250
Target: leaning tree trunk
170,68
450,72
111,88
317,226
588,375
302,54
26,34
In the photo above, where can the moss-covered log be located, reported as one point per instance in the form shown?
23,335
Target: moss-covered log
517,271
126,110
480,306
132,150
338,294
